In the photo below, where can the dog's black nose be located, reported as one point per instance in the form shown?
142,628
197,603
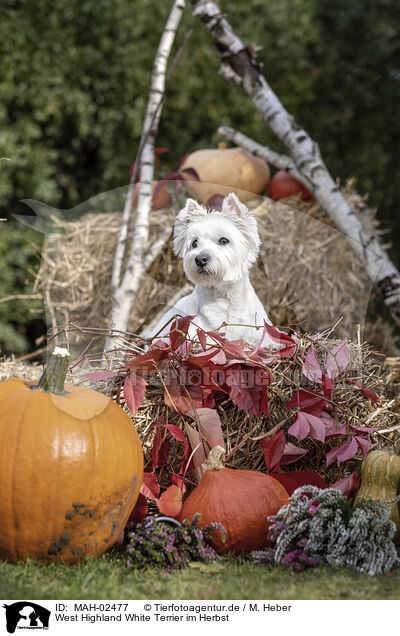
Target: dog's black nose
202,259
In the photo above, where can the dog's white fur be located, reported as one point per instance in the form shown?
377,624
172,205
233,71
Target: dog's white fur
223,292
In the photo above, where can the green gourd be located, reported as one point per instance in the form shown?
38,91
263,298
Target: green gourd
380,480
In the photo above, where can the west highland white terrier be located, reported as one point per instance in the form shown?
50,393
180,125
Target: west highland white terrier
218,249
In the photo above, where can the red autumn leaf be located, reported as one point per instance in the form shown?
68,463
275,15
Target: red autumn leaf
337,360
371,395
179,330
292,453
134,390
295,479
311,367
274,448
155,449
332,428
327,385
150,487
308,401
308,424
278,336
140,510
260,352
247,388
282,338
364,445
260,355
237,391
164,452
210,426
199,455
178,434
203,358
286,352
260,401
363,429
148,361
219,358
342,453
202,338
348,485
170,503
233,348
175,397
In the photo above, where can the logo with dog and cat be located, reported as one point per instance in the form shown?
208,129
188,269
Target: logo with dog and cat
26,615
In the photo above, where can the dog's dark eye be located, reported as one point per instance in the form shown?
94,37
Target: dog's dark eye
223,241
195,243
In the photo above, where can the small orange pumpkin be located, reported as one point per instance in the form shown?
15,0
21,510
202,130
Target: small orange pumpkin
71,466
240,500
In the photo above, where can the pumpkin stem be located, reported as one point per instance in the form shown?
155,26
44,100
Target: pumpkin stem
215,459
53,377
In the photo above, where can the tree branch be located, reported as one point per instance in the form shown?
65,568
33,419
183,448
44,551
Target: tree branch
124,291
270,156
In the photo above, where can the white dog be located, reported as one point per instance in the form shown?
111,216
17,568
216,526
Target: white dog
218,250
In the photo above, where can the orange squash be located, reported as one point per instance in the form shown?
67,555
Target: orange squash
240,500
71,466
225,170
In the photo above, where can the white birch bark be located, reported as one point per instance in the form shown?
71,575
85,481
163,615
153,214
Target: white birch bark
125,289
239,63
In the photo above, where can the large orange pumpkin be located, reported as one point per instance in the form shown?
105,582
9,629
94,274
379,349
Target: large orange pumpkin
71,466
241,500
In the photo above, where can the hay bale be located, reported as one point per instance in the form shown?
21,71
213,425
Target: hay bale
12,368
306,273
243,432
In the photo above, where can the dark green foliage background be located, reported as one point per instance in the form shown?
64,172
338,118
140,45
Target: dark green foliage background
74,79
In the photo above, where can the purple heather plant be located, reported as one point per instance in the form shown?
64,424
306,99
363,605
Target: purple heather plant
321,527
158,544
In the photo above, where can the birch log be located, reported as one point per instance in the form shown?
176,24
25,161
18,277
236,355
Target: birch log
270,156
239,63
124,287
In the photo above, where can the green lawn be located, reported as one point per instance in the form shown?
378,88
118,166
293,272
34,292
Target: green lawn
107,577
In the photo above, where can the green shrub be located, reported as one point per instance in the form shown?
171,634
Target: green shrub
19,258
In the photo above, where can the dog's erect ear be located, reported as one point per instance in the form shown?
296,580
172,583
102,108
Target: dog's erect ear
191,207
192,211
232,204
245,221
